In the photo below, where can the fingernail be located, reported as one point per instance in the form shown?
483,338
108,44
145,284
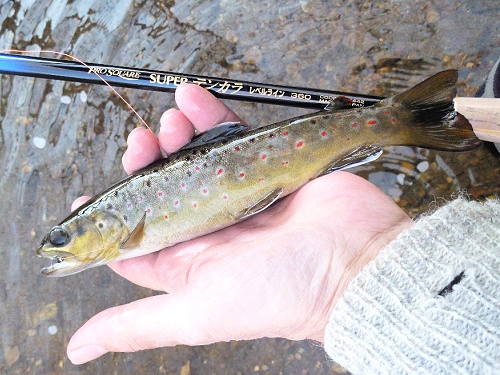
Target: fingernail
85,354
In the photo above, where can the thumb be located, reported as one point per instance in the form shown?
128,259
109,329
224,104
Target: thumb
164,320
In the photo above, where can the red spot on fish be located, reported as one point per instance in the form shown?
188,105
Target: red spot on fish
393,120
205,191
387,112
263,156
166,217
313,122
261,178
324,134
355,125
348,139
196,168
129,205
195,205
148,210
372,122
225,197
160,194
242,175
219,172
176,203
284,162
139,199
300,144
237,148
285,133
339,117
183,185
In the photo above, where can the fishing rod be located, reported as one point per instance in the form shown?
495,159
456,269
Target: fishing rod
145,79
483,114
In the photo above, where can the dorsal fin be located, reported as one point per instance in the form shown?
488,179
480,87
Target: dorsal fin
219,132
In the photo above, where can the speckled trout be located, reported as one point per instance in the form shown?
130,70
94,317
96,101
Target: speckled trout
231,172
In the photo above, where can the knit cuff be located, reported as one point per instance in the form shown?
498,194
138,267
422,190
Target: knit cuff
430,302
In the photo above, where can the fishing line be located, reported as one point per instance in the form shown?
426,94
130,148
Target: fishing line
94,72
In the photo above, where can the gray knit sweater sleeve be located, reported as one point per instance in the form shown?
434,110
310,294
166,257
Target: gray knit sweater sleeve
429,303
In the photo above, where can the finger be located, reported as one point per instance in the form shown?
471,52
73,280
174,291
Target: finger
79,201
175,130
158,321
202,108
210,309
142,150
117,328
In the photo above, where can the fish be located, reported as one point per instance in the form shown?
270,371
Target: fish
232,172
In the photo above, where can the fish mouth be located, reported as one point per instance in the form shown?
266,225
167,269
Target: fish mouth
62,263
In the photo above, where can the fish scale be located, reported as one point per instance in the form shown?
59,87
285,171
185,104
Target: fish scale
230,173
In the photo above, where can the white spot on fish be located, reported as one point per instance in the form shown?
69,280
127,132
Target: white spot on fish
52,330
83,97
39,142
423,166
65,99
401,178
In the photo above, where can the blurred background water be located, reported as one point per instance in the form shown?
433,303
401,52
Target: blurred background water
59,140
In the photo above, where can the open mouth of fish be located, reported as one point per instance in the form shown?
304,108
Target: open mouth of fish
62,263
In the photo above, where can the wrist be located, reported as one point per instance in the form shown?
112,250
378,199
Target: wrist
361,257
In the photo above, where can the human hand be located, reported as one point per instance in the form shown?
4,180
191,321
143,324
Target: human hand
276,274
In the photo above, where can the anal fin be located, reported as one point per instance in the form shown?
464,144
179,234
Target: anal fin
361,155
262,204
135,237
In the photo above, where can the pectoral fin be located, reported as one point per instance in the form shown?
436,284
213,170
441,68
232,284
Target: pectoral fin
262,204
135,237
361,155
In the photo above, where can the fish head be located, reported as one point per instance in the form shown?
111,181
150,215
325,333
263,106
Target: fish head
82,242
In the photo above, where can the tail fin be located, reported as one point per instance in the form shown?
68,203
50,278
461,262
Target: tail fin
433,121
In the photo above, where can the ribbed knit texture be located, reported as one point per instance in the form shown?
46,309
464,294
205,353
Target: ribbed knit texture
429,303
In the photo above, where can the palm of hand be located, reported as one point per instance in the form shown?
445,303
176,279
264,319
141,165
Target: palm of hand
277,274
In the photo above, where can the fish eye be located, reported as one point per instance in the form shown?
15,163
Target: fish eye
58,237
